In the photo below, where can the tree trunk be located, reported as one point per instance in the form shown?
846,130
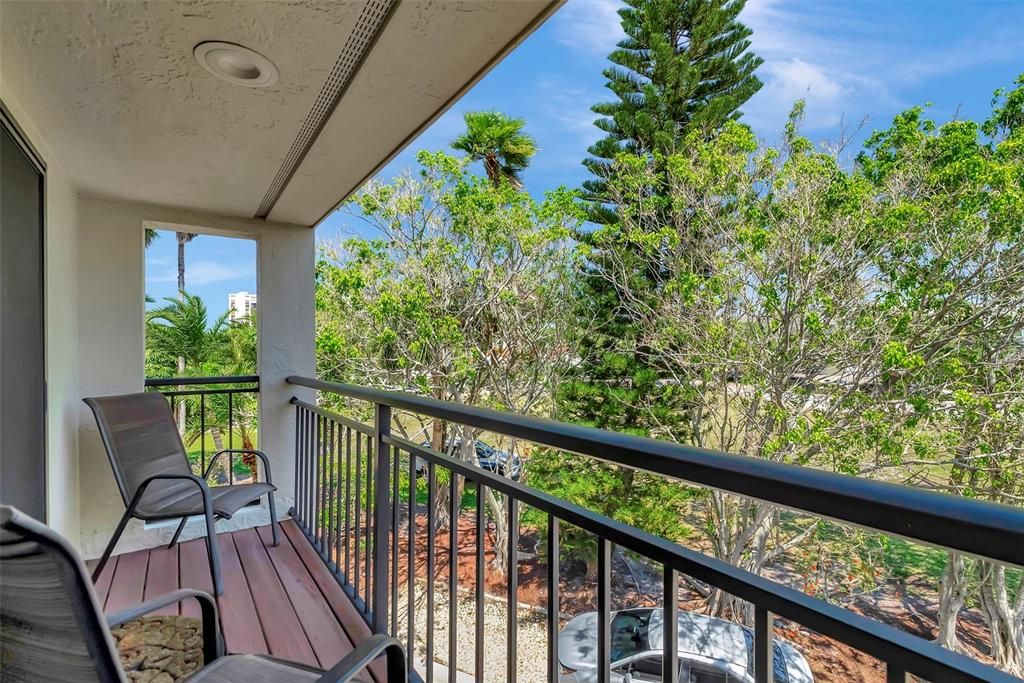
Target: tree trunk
223,468
1005,620
182,239
952,595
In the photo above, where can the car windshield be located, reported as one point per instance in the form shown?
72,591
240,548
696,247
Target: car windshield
483,450
629,634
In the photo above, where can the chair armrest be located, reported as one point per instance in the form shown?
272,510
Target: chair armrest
207,608
359,658
204,488
260,454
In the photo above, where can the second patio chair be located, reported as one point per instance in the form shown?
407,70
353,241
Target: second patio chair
155,478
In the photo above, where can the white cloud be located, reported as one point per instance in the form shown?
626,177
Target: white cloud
204,273
591,26
844,66
569,106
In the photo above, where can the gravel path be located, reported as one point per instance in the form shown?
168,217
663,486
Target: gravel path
532,635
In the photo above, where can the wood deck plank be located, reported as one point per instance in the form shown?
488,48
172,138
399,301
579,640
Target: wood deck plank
346,613
282,601
162,577
194,572
329,641
102,585
242,624
129,581
281,625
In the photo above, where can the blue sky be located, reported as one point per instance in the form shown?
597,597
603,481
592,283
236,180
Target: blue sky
850,60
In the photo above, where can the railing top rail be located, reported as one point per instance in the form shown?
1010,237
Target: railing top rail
193,381
970,526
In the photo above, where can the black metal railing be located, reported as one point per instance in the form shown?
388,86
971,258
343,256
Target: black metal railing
212,403
367,516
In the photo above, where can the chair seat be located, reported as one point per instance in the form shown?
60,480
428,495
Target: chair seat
188,501
256,669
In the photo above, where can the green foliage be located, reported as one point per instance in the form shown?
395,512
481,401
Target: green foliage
866,320
683,67
499,142
461,295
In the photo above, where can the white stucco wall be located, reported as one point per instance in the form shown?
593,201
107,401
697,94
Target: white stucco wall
110,297
61,235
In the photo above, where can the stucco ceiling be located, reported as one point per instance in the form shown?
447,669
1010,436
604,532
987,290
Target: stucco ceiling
131,115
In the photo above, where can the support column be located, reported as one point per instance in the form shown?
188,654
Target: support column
286,338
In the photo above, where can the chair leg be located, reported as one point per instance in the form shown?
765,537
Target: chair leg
177,533
110,546
273,518
213,552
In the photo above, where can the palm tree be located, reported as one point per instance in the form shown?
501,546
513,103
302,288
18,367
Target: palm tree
181,329
151,235
183,238
499,142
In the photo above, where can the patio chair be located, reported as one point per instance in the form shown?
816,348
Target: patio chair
155,478
54,630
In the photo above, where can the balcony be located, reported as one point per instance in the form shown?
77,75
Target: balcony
347,567
128,133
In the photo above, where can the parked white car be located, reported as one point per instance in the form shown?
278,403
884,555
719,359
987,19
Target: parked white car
710,650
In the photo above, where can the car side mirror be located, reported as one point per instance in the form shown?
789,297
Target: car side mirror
628,678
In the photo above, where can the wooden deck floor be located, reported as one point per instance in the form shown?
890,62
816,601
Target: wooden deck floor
280,601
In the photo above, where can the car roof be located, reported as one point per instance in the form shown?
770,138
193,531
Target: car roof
702,635
726,641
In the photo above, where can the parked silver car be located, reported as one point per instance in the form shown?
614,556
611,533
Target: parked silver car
710,650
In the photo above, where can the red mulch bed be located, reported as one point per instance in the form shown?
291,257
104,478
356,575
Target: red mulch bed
830,661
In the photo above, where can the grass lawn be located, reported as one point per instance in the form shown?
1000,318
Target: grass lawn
196,449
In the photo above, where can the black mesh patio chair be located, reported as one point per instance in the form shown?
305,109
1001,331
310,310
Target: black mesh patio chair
155,478
54,631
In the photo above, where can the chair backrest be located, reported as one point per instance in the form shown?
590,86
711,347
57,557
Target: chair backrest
51,625
142,440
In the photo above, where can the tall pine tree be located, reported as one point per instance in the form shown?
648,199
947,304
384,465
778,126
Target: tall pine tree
683,66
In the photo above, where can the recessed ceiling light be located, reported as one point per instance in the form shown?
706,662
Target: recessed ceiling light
236,64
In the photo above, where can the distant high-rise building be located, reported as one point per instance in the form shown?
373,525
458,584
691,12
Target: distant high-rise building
241,305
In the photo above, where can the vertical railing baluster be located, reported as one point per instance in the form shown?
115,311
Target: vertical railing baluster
894,674
410,616
369,575
670,627
453,575
298,458
322,484
348,502
318,441
382,429
358,509
604,610
481,530
764,645
395,508
231,438
431,559
305,470
202,433
554,602
300,483
332,500
512,637
310,472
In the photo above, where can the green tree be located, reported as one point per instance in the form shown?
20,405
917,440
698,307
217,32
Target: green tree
461,297
498,141
682,71
683,67
950,211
